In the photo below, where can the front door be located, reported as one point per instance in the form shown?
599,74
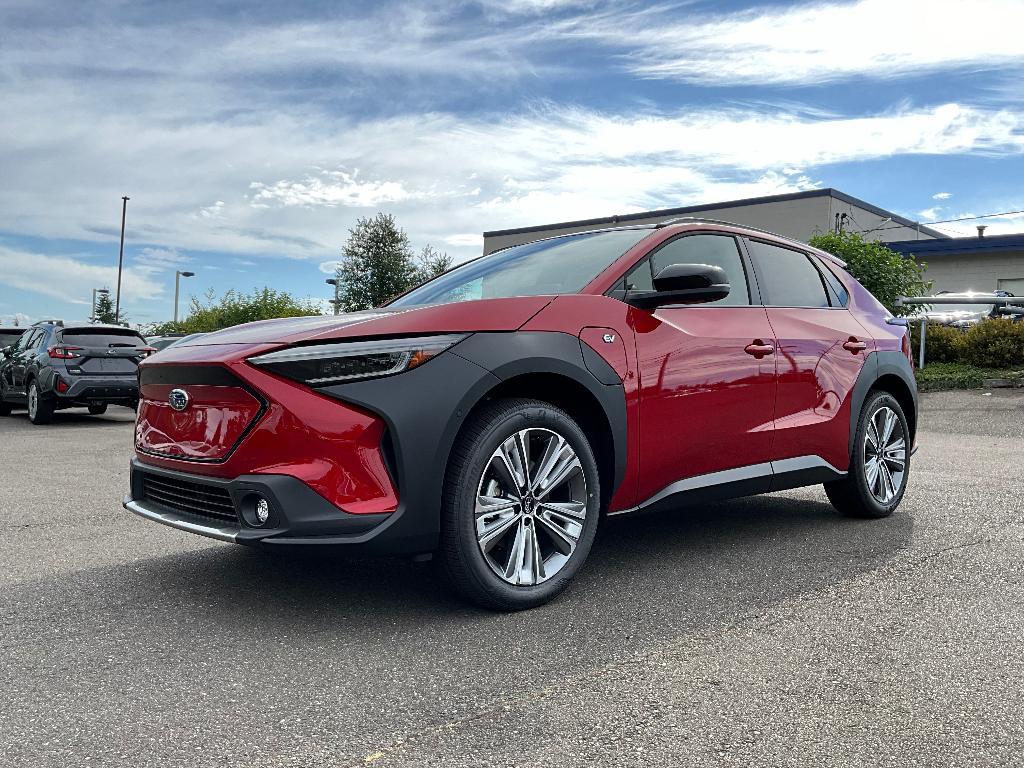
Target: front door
707,379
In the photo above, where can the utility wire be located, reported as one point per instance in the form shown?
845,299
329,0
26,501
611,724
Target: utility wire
940,221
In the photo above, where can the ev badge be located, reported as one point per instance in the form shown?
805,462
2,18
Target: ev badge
178,399
609,338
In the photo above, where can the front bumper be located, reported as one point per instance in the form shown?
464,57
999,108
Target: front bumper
222,509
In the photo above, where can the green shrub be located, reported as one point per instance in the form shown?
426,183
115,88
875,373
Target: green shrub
992,344
942,344
885,273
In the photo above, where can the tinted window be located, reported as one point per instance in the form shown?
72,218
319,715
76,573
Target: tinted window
559,265
7,338
789,277
101,337
840,295
716,250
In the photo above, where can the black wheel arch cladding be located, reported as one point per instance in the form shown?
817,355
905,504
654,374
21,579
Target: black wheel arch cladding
425,408
881,365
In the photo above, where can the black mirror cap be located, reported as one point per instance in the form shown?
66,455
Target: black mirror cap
683,284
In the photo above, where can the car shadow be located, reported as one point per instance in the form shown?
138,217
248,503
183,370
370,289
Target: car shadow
665,571
374,647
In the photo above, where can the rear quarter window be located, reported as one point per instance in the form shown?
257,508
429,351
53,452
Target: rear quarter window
8,338
101,337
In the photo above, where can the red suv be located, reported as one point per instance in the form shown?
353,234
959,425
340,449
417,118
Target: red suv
492,415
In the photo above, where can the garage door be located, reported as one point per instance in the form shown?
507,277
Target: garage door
1014,285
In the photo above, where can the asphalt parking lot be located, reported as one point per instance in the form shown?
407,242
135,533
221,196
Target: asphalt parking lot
766,631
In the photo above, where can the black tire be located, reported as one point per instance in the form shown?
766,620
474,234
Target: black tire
857,494
5,408
42,410
98,409
461,557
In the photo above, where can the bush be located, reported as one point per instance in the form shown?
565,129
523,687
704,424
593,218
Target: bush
234,308
992,344
942,344
881,270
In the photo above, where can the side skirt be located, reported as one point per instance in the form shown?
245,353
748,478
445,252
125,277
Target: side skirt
741,481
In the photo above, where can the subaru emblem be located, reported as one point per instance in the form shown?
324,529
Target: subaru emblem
178,399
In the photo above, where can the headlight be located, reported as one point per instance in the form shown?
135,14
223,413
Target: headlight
338,362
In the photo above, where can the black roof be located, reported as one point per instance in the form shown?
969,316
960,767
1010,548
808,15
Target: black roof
626,217
960,245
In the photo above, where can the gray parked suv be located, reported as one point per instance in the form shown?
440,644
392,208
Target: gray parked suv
53,366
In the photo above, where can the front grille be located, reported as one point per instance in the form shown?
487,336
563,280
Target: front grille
196,500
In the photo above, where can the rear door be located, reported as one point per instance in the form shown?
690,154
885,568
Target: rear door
102,351
22,357
821,349
707,377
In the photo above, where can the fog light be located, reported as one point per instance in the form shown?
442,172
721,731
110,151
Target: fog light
262,511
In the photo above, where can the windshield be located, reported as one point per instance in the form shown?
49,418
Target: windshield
559,265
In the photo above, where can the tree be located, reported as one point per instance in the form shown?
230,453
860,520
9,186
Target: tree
377,263
887,274
432,263
104,309
234,308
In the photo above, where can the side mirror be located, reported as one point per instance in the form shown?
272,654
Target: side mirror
6,351
683,284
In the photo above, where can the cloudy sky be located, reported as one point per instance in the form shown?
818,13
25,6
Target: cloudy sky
250,136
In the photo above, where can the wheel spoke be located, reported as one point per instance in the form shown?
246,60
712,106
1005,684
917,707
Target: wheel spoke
888,487
564,471
871,471
576,510
563,532
537,574
888,424
491,529
515,454
872,436
553,451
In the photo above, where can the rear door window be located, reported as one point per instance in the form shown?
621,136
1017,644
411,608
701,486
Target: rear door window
788,278
101,337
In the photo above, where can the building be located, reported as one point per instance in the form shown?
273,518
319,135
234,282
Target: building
798,215
977,263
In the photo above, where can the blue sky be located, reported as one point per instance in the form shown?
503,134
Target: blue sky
251,136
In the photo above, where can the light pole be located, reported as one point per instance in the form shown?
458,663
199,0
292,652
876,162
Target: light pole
94,292
177,282
120,261
337,287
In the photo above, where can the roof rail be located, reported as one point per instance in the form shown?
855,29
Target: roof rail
703,220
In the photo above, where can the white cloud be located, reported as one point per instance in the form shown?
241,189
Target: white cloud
70,279
942,196
329,267
813,42
467,240
928,214
329,189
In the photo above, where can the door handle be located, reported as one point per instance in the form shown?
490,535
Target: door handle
759,349
855,346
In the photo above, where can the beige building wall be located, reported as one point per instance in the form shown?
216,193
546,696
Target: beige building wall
799,218
977,272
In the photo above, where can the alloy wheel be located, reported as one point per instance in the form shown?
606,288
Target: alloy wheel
531,506
885,455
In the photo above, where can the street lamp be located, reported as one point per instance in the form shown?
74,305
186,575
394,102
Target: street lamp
337,287
177,283
95,291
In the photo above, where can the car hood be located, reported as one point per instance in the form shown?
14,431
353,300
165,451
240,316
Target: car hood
466,316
